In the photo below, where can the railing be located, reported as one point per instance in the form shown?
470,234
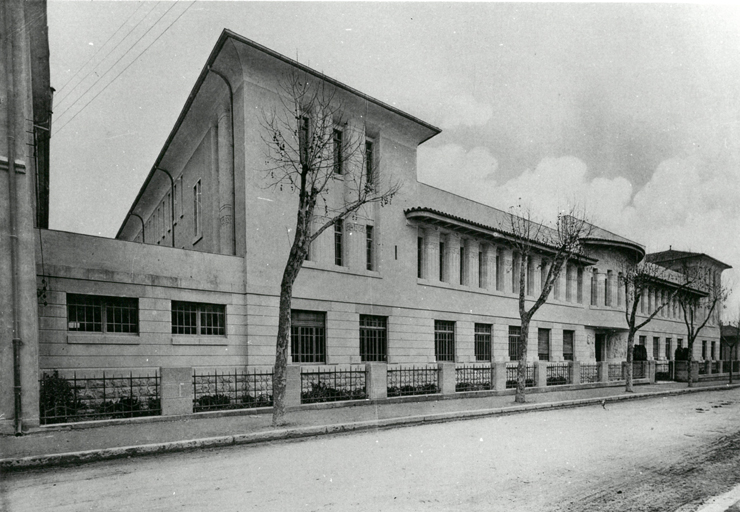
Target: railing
702,368
615,371
662,370
589,373
412,380
473,378
231,390
333,385
65,399
715,366
639,369
558,374
511,375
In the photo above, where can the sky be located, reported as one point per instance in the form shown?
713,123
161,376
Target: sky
629,111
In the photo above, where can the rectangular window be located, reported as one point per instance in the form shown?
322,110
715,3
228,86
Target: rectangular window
420,257
556,287
444,340
656,347
338,242
338,157
543,274
713,355
568,345
643,340
530,276
168,212
515,271
175,199
482,270
94,313
515,334
482,342
569,283
579,286
369,162
704,349
197,211
463,267
303,141
198,318
370,247
373,338
442,273
180,199
543,344
308,336
620,286
499,269
594,287
668,348
608,288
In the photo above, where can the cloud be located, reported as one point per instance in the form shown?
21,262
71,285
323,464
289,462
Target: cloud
464,110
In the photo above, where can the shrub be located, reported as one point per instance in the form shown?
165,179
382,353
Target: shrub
640,353
57,403
556,381
211,402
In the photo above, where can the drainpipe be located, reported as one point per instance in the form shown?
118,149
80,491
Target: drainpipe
233,157
143,232
13,218
172,203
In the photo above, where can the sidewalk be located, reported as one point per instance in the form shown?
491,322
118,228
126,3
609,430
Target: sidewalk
82,442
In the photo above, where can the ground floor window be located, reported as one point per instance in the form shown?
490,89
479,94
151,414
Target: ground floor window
308,336
543,344
444,340
656,348
668,348
94,313
515,333
568,345
198,318
482,342
373,338
704,349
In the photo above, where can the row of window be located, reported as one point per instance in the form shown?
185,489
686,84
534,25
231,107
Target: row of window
713,353
160,222
340,249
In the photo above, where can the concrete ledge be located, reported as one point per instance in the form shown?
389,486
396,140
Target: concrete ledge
311,431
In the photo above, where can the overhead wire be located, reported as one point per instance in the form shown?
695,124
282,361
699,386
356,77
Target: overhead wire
124,69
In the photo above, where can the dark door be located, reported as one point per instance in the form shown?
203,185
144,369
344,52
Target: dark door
599,348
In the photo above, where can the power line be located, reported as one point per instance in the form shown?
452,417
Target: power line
100,48
106,56
124,69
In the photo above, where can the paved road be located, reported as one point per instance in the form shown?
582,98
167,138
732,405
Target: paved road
662,454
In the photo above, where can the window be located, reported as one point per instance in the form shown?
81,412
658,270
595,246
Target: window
643,340
579,286
198,318
442,273
338,242
303,142
370,248
420,257
568,345
444,340
373,338
93,313
463,267
530,276
543,274
499,269
704,349
168,212
482,342
197,211
338,157
482,270
543,344
713,354
656,347
369,162
644,299
668,348
594,287
620,286
515,270
608,288
179,202
308,336
679,342
569,284
515,334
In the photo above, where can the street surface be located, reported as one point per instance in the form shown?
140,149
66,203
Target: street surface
662,454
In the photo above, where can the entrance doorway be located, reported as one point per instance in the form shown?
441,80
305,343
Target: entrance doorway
599,348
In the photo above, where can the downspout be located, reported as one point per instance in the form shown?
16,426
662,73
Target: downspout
233,157
13,218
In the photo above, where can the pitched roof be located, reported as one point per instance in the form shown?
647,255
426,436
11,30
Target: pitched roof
673,255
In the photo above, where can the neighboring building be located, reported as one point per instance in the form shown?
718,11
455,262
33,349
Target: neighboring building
192,278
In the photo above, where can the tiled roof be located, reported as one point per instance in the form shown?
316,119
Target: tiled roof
673,255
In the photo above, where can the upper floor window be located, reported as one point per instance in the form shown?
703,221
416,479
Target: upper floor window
370,247
569,283
338,156
442,260
369,161
530,276
482,342
197,211
463,266
608,288
339,242
579,286
373,338
594,287
444,340
499,269
482,270
94,313
543,273
515,271
198,318
308,336
419,257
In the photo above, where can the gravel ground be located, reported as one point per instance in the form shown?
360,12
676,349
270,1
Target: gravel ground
663,454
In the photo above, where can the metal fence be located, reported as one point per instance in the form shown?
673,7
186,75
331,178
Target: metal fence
103,397
615,371
511,375
413,380
589,373
473,378
662,370
333,385
639,369
702,368
715,366
231,390
558,374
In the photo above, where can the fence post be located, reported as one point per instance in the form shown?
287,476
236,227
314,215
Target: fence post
293,386
499,375
603,371
575,372
177,391
376,380
446,378
540,374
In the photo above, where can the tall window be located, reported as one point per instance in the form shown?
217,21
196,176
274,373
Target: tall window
499,269
339,242
197,211
704,349
713,354
515,266
303,141
594,287
94,313
179,198
198,318
463,266
373,338
420,257
579,286
543,344
656,347
515,334
444,340
337,140
482,342
442,273
482,270
370,247
668,342
530,276
643,340
308,336
369,162
620,286
168,210
543,273
568,345
556,287
569,283
608,288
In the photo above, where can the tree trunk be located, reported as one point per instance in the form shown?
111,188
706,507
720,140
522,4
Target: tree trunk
690,363
521,371
630,357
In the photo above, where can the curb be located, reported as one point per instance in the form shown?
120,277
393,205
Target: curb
81,457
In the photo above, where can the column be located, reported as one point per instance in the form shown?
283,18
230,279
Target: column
225,185
376,380
446,378
177,391
452,261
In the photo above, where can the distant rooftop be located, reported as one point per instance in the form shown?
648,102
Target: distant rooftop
672,255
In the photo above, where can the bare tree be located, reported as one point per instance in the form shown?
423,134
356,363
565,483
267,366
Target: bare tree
698,311
558,245
637,279
310,146
731,342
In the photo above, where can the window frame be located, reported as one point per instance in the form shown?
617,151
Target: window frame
198,210
656,348
515,335
199,310
373,333
106,306
548,354
482,342
569,356
299,339
339,243
338,150
370,176
370,247
444,340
